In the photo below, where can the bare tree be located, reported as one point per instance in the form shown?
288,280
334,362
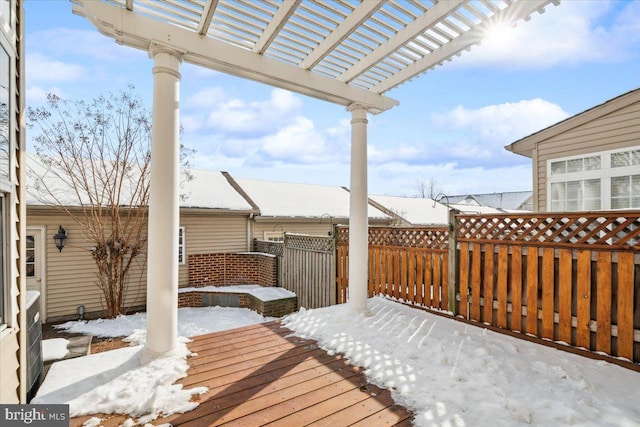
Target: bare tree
427,189
94,166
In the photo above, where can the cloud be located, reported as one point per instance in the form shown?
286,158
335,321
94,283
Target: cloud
564,34
37,95
71,42
42,69
479,135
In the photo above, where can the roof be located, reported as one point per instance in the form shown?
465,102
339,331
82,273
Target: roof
287,199
509,200
211,190
415,210
343,51
524,146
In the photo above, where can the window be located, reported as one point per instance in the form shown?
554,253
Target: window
600,181
181,242
274,236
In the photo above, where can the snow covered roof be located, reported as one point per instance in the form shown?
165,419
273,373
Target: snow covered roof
508,200
211,190
287,199
417,211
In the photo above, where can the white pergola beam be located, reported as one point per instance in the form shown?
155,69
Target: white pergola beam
286,9
433,15
344,30
517,11
131,29
207,16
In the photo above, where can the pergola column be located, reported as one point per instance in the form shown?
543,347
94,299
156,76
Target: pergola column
358,215
164,211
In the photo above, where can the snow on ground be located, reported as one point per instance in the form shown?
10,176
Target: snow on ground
122,381
191,322
453,374
54,349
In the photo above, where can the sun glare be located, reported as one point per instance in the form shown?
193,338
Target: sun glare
499,35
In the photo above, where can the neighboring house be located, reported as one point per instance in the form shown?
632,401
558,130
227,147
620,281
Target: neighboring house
412,211
507,201
217,215
588,162
14,382
299,208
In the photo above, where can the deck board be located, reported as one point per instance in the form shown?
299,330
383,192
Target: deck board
263,375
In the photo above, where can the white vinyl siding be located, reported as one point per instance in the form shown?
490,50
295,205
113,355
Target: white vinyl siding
600,181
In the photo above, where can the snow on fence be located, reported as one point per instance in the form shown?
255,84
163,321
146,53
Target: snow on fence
573,278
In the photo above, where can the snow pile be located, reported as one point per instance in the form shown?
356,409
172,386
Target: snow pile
453,374
263,293
191,322
54,349
117,382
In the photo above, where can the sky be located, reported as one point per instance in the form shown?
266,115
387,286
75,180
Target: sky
450,128
448,373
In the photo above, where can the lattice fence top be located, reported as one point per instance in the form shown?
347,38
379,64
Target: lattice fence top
620,230
431,238
325,244
268,247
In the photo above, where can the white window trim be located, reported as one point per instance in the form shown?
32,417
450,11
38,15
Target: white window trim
182,246
605,173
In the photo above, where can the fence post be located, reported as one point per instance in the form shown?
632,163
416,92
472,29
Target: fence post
453,276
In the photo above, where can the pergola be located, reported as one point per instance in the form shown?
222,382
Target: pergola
348,52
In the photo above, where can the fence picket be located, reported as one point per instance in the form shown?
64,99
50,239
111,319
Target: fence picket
503,270
476,270
547,293
583,333
464,280
625,305
516,288
437,277
565,280
532,291
489,269
603,296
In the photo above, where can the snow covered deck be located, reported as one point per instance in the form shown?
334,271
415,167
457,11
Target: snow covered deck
261,374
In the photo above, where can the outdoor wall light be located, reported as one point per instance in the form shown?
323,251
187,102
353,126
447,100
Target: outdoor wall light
81,312
59,238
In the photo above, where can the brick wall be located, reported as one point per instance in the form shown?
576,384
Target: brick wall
232,269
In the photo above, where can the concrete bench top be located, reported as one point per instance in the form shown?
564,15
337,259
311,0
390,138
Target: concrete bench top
263,293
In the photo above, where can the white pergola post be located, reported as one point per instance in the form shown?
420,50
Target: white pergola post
164,213
358,215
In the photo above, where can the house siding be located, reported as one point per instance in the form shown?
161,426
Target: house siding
318,228
70,275
616,130
211,234
13,330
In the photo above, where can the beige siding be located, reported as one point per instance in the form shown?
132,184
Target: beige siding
616,130
9,380
211,233
314,227
70,275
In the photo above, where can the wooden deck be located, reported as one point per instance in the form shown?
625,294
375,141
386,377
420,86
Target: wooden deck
260,375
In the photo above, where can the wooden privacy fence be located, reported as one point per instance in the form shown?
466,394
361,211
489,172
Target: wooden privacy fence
410,264
309,269
573,278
